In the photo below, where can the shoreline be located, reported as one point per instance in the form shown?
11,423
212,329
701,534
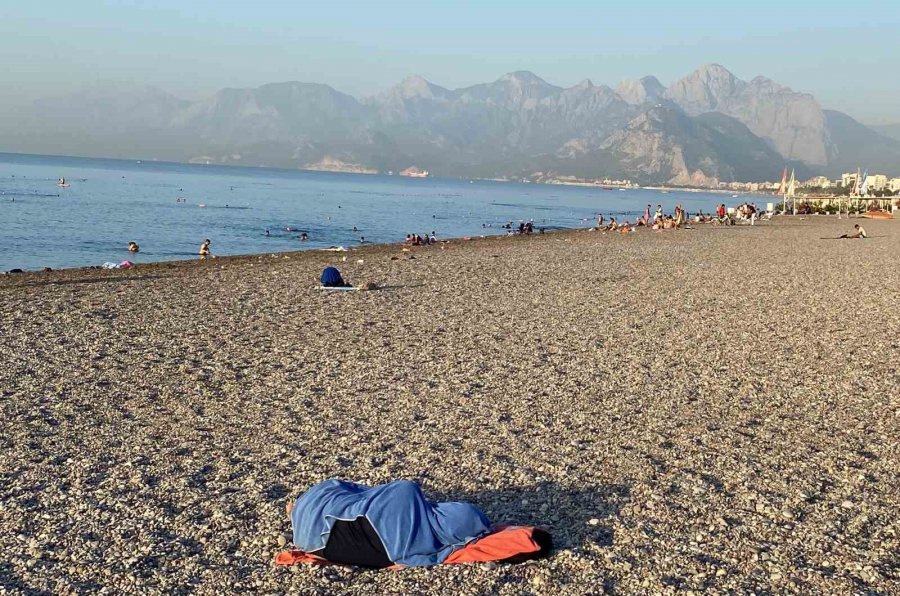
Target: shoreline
352,249
374,247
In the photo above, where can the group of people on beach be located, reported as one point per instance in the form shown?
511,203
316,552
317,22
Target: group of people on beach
525,227
657,220
424,240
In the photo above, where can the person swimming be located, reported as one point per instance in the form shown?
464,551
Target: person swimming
133,247
267,233
204,249
303,237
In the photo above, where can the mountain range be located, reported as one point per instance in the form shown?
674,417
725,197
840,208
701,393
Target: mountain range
706,127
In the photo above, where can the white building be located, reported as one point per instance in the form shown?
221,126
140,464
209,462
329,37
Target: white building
894,184
848,179
877,181
817,182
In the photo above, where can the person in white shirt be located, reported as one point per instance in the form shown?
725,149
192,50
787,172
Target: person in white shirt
858,232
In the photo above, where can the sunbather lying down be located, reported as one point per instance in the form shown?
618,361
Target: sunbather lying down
393,525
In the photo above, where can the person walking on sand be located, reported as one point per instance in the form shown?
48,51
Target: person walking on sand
204,249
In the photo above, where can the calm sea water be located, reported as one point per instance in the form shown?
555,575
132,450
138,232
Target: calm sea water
113,202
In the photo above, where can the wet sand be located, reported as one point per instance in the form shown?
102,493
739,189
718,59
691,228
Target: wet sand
707,410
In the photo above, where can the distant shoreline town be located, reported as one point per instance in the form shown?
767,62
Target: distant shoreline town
879,185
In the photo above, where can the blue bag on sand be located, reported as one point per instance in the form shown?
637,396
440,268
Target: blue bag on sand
331,278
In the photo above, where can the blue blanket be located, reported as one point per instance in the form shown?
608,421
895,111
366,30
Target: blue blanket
414,531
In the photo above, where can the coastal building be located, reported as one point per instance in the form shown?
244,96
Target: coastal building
611,182
877,181
894,185
817,182
848,179
414,172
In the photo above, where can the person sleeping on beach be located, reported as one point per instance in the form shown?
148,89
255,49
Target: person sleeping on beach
331,278
394,525
858,232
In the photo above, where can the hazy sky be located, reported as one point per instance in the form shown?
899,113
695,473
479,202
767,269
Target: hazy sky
846,54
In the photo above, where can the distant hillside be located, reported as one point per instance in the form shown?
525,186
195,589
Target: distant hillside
889,130
859,146
706,127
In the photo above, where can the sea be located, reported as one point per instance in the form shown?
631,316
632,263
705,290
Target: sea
169,209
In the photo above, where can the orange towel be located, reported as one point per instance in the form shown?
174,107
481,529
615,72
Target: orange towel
506,543
296,557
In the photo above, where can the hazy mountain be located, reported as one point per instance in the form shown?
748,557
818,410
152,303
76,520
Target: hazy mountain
708,126
889,130
666,144
857,146
282,123
640,91
793,123
99,120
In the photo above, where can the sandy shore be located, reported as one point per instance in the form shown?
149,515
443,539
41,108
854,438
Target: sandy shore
705,410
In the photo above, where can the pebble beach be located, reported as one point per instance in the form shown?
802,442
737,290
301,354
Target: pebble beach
713,410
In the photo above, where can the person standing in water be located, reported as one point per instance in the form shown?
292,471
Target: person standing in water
204,249
133,247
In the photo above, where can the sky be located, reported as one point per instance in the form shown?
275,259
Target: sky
845,54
